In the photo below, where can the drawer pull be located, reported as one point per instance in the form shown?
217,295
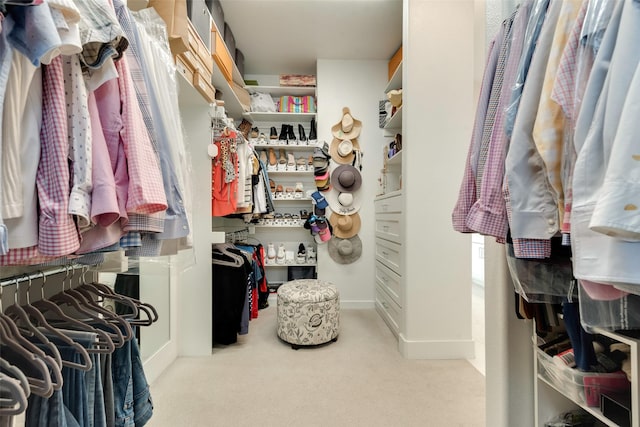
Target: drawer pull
385,280
385,254
385,228
384,304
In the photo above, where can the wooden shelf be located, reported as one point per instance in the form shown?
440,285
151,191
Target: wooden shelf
279,91
396,80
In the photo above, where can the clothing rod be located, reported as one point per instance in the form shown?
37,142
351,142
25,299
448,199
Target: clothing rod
41,273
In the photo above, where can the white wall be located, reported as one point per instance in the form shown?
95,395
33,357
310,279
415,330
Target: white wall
438,115
358,85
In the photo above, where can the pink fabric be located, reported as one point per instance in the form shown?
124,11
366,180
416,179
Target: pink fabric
105,210
146,191
108,103
601,292
58,235
104,201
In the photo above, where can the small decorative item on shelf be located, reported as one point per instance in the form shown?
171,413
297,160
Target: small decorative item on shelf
297,80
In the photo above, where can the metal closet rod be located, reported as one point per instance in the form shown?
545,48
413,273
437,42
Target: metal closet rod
42,273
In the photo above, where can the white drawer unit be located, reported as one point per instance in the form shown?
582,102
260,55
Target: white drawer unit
388,227
390,282
388,204
388,253
390,312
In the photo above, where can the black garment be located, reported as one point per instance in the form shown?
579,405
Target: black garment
229,295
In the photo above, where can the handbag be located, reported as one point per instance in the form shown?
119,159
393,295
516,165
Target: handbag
297,104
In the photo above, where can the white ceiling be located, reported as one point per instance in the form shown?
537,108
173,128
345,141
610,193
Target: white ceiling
287,36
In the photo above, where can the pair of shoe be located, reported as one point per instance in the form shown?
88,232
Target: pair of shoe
274,257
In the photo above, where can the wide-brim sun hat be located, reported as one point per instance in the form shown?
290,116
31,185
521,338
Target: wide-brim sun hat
345,251
347,127
344,203
346,178
344,150
345,226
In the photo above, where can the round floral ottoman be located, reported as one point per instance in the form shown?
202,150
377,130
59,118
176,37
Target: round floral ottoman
308,312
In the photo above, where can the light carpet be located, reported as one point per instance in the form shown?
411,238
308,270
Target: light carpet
360,380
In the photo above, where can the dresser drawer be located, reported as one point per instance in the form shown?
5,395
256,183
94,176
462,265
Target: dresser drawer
388,226
388,310
390,281
388,253
391,204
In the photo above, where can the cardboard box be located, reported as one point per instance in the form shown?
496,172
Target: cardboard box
184,68
395,60
221,56
202,83
243,96
174,14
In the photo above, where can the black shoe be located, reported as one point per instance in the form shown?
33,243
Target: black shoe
292,136
303,136
284,133
274,133
254,133
312,131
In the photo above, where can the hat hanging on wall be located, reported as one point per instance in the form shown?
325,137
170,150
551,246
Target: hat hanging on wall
345,226
344,150
347,127
345,251
344,203
346,178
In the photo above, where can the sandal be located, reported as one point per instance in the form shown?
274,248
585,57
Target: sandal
272,185
289,192
304,214
301,163
278,191
282,158
299,190
291,161
272,157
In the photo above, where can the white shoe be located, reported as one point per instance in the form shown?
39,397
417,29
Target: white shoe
281,254
311,254
271,254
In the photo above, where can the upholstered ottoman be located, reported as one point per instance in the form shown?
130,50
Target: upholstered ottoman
308,312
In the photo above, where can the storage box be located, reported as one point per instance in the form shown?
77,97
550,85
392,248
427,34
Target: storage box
174,14
612,314
583,387
395,60
215,8
204,86
229,40
200,17
617,408
297,80
221,56
240,61
243,96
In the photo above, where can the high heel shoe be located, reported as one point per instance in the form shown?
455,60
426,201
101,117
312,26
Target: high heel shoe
254,133
291,162
274,133
291,135
303,136
272,157
284,133
312,131
282,158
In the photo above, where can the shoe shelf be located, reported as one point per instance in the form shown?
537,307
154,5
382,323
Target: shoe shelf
292,173
306,264
279,225
278,117
278,91
291,199
293,147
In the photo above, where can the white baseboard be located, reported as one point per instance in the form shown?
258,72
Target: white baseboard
445,349
157,363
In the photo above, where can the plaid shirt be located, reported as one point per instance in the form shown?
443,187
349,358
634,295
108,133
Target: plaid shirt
488,215
58,235
467,193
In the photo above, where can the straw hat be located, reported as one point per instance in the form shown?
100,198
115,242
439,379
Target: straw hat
347,127
344,150
345,226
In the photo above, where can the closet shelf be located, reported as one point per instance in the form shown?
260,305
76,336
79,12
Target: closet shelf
593,411
285,146
396,80
291,264
396,120
278,91
278,117
307,172
299,199
389,194
396,159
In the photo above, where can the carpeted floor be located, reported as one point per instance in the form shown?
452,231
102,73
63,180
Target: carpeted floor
360,380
